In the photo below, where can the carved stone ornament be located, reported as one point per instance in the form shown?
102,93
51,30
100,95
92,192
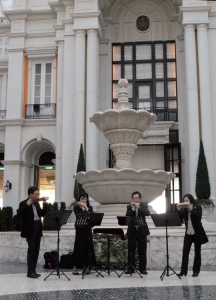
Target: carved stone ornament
142,23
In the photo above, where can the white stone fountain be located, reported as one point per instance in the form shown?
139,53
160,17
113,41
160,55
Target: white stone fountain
112,188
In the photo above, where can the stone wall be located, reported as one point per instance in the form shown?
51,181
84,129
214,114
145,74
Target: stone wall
13,248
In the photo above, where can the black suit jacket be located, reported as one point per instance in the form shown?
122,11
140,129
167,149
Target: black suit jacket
196,216
143,211
26,212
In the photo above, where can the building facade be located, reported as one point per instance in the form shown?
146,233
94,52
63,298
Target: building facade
60,63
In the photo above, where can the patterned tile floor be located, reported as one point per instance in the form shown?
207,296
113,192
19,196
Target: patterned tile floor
14,285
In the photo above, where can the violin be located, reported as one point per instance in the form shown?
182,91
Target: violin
40,199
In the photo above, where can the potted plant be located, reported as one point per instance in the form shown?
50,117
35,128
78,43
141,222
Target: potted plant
203,188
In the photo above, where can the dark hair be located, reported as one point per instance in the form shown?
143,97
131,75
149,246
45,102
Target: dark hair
84,195
32,189
191,198
134,193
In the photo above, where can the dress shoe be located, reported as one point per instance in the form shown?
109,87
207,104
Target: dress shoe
38,275
32,275
129,272
195,274
182,274
143,272
75,273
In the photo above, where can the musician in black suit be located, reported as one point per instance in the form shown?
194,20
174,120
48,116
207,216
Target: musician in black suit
194,233
137,234
31,214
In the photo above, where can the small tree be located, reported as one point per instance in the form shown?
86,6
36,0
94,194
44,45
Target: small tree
203,188
80,167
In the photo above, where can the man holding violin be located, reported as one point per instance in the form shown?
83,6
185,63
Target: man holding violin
31,214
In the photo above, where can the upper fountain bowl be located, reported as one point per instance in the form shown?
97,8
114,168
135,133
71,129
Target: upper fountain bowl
131,119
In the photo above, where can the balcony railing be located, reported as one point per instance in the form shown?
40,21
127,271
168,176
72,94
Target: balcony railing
163,113
41,111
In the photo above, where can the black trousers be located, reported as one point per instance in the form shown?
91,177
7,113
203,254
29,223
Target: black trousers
142,246
188,240
34,248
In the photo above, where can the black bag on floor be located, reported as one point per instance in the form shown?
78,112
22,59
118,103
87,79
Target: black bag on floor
51,260
66,261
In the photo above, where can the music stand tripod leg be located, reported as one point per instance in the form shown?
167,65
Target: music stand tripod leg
88,269
57,269
108,266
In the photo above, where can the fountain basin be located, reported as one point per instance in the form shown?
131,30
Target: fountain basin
111,186
112,119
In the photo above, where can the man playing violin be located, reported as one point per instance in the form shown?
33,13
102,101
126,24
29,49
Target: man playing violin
137,234
31,214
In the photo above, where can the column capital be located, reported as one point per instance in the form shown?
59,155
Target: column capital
189,27
202,27
92,32
59,42
80,32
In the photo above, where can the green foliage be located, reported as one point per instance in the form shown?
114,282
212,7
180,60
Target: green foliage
63,206
52,225
205,202
3,224
80,167
55,206
72,204
6,219
202,189
118,250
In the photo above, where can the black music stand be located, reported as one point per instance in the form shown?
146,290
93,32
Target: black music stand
131,221
108,266
91,220
59,217
161,220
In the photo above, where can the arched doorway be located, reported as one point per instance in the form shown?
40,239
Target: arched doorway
40,167
44,175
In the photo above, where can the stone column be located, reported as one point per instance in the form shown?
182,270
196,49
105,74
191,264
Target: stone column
67,120
59,122
91,101
79,98
15,84
192,104
205,101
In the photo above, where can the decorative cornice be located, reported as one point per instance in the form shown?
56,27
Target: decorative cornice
57,6
28,122
58,27
14,15
17,48
39,122
16,162
67,21
104,41
41,51
85,15
200,8
41,34
13,122
18,34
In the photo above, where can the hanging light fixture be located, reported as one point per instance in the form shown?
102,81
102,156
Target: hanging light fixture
8,186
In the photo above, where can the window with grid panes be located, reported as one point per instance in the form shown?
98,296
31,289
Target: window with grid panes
42,85
150,68
3,46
